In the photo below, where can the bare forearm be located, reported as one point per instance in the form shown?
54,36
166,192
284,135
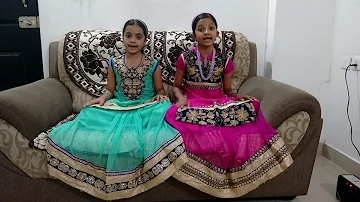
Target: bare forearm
178,93
110,87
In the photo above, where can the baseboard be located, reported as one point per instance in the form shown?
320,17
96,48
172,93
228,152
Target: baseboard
341,159
320,148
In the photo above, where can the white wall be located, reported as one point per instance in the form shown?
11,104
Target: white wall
346,42
311,36
60,16
270,38
303,44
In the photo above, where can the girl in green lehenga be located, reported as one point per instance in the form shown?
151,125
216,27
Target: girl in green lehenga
119,145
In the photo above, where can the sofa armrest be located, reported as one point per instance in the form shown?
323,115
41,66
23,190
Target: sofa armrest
35,107
280,101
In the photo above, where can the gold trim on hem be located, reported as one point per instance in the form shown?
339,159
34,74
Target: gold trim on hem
83,186
96,182
97,172
113,106
238,183
192,83
216,105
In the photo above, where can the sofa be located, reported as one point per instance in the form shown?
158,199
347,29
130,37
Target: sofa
76,75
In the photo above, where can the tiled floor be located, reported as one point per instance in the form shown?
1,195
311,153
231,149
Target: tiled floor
323,182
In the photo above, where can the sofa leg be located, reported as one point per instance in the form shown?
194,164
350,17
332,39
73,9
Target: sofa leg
288,198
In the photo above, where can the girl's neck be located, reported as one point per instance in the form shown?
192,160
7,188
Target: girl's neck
133,59
205,50
133,56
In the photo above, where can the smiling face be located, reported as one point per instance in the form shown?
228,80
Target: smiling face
206,32
134,39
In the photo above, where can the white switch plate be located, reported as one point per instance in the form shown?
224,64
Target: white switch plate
345,62
356,60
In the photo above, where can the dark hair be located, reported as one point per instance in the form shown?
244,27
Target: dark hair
202,16
139,23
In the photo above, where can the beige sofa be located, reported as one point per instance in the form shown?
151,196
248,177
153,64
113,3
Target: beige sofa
29,110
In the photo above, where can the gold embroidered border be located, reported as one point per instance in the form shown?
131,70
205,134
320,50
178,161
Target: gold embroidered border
74,162
270,145
113,106
107,186
235,184
232,113
225,105
203,85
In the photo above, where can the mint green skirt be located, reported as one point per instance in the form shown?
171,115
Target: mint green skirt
132,149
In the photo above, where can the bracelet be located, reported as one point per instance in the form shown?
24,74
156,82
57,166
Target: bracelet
178,93
107,94
232,94
161,92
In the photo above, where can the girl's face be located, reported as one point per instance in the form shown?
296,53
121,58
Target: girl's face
134,39
206,32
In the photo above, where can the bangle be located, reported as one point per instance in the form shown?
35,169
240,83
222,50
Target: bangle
232,94
176,94
161,92
107,95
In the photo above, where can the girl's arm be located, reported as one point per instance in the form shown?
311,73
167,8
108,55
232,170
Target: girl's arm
110,88
227,83
229,68
158,83
179,76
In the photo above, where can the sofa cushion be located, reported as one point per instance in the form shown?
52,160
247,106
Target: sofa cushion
41,140
84,57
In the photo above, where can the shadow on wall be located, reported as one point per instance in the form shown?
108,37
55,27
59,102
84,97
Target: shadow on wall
268,70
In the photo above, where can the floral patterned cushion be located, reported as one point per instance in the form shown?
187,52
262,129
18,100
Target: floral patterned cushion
84,57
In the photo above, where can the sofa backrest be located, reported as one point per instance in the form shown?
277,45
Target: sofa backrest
82,58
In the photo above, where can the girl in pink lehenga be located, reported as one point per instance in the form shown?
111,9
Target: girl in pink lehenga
232,148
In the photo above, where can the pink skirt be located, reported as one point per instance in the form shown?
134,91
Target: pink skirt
226,141
223,146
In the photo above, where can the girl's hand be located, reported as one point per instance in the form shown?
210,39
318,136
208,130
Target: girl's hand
246,97
182,102
159,98
100,100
